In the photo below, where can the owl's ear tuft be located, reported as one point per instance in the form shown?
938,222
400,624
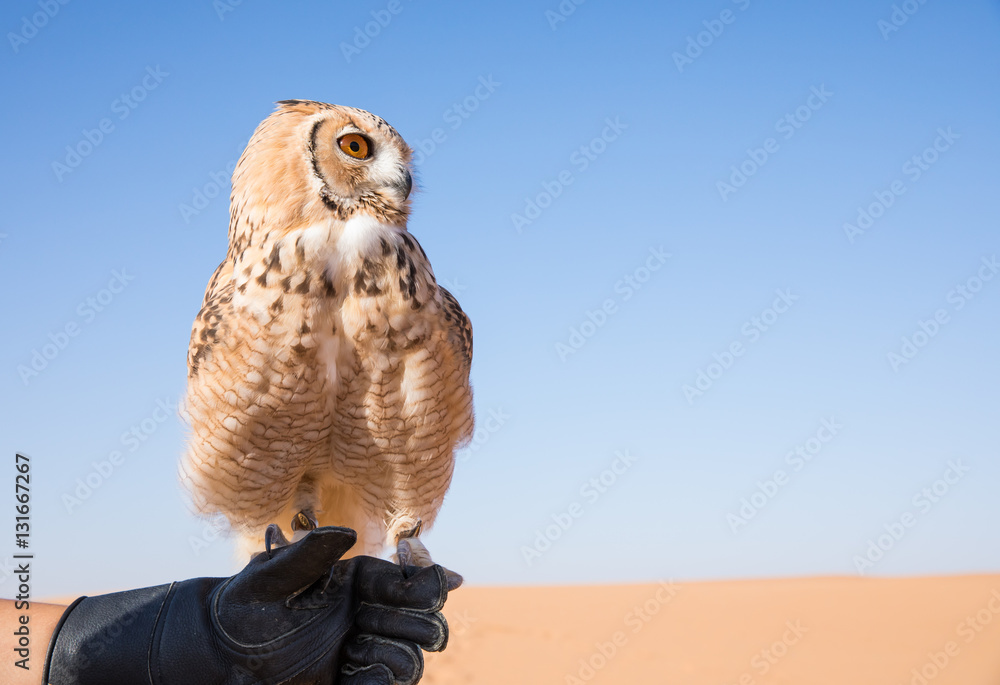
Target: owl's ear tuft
302,106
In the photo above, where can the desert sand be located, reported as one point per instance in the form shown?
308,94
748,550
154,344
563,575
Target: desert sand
801,631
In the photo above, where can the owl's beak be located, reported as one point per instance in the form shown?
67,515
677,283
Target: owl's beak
405,183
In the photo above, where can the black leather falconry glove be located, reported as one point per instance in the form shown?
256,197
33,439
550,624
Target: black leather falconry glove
295,615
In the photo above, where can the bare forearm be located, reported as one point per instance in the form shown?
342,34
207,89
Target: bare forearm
24,640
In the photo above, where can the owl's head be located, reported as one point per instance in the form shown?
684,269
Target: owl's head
310,161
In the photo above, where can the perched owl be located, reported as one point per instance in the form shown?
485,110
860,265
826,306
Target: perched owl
328,372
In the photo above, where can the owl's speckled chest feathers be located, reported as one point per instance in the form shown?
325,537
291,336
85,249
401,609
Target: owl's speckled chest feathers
374,278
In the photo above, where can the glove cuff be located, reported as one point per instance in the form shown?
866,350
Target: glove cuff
55,634
105,638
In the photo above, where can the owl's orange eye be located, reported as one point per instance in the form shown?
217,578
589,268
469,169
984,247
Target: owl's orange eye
354,145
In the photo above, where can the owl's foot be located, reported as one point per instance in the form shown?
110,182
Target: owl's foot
410,551
273,539
411,533
304,520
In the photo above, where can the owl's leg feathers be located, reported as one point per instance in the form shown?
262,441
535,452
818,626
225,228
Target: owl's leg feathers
410,551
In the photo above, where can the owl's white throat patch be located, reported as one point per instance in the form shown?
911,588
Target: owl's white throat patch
339,250
362,236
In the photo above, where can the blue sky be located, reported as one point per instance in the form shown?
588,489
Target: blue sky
627,199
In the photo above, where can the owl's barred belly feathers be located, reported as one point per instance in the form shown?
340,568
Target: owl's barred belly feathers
326,367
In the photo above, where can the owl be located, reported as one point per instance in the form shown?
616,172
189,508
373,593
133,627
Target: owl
328,372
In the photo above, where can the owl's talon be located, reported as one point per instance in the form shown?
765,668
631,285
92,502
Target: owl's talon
273,537
304,520
411,533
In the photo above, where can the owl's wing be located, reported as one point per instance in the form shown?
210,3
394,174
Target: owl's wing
459,327
256,412
217,302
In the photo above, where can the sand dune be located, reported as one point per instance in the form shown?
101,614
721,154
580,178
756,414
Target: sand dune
807,631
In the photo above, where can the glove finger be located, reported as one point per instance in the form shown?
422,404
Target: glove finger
383,583
301,563
375,674
403,659
428,630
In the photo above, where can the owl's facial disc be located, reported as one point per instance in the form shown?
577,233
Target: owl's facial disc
356,167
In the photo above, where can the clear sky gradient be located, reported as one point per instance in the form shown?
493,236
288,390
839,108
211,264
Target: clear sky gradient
693,238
